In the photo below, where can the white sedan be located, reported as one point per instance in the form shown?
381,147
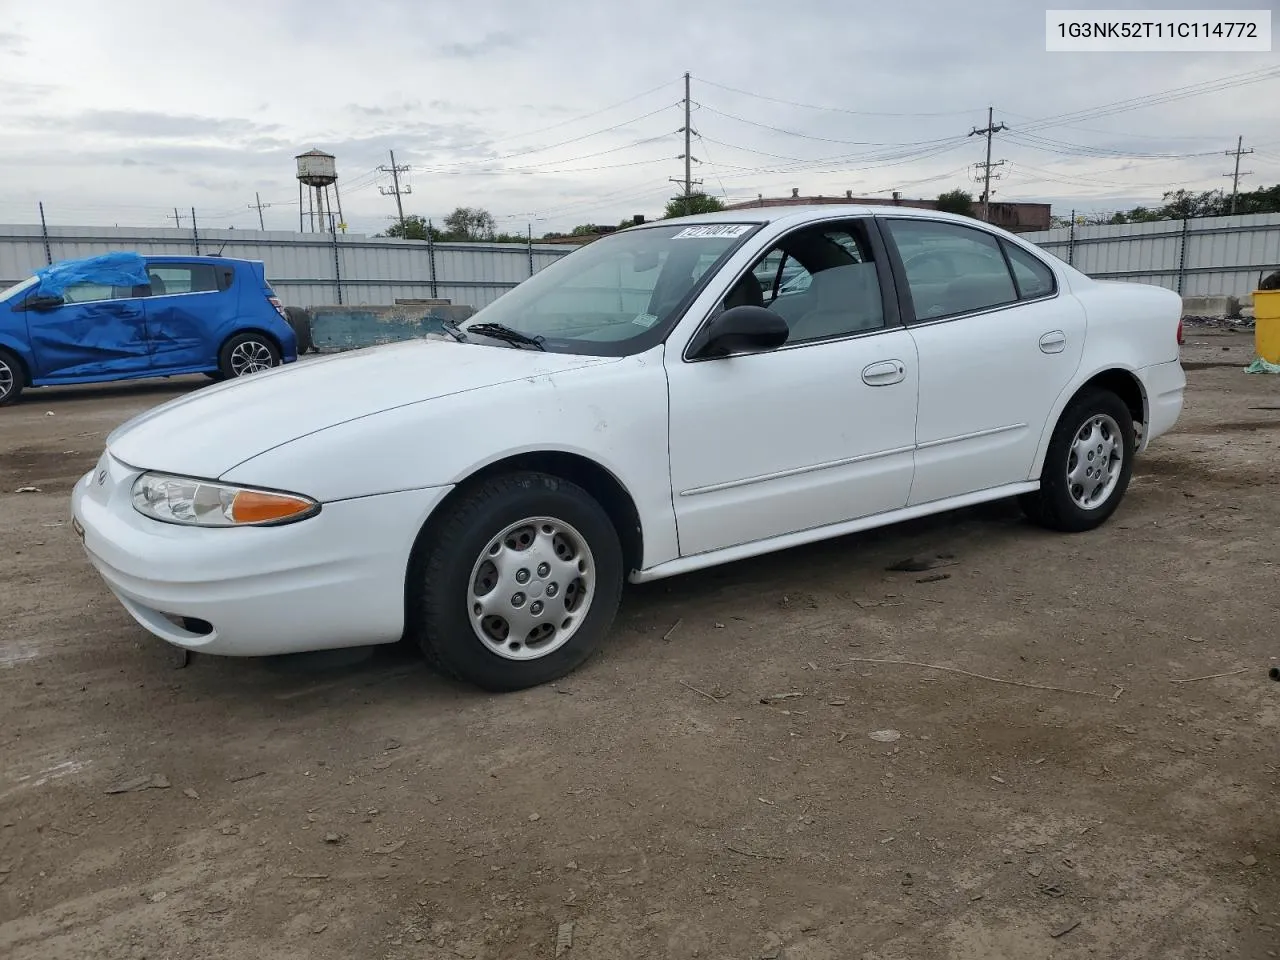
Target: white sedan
654,403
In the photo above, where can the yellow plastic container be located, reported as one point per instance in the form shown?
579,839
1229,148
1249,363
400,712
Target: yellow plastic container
1266,331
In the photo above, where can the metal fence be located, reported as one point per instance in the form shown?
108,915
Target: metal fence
306,269
1212,256
1209,256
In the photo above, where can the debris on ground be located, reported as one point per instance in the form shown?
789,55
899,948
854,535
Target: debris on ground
564,938
885,736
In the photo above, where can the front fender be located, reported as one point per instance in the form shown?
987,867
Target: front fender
613,414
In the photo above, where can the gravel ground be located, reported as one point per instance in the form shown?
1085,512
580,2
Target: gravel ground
710,785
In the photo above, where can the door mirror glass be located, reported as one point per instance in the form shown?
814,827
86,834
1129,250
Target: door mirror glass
741,329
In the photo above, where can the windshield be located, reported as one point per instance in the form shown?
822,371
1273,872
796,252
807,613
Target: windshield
618,295
17,288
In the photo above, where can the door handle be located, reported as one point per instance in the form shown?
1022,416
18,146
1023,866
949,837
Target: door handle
884,373
1055,341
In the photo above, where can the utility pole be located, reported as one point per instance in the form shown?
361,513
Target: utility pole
260,207
395,190
1238,152
990,130
177,220
688,182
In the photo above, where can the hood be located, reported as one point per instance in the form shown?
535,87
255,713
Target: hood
211,430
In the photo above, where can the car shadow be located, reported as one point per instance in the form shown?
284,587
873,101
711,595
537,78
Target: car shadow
116,389
400,668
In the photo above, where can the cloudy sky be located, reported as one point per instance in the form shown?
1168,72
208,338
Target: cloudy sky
554,114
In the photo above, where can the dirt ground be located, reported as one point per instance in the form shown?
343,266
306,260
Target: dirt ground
707,787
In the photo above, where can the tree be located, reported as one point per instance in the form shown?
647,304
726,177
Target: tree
956,201
469,223
584,230
694,203
414,228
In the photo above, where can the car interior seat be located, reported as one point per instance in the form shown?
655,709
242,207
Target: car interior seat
846,299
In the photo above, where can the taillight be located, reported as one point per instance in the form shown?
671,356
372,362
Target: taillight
1181,341
275,302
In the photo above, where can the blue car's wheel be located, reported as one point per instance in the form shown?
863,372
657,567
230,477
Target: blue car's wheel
247,353
12,378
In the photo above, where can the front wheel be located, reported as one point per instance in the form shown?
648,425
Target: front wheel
247,353
519,583
12,378
1087,466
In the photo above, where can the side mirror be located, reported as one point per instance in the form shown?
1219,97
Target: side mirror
44,303
743,329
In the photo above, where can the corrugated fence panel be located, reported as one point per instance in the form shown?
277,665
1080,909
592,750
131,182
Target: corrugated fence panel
305,269
1222,256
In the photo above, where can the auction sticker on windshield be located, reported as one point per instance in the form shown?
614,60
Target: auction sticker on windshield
713,231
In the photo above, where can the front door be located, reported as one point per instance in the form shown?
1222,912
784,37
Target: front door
817,431
98,332
997,346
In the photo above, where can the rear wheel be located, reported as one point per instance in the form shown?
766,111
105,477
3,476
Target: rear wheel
12,378
247,353
518,585
1087,467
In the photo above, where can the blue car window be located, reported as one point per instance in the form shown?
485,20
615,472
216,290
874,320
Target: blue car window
182,278
90,292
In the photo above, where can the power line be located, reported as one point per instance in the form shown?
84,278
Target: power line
812,106
1235,177
1154,99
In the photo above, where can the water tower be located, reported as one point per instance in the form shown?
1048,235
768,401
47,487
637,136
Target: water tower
318,171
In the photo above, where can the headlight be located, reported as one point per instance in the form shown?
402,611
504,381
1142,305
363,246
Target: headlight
201,503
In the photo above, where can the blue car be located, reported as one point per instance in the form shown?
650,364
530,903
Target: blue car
122,316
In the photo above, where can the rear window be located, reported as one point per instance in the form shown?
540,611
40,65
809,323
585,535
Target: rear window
169,278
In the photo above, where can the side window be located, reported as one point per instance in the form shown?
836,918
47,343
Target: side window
1033,277
825,282
168,278
91,292
951,269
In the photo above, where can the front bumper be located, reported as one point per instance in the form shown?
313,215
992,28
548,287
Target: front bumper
333,580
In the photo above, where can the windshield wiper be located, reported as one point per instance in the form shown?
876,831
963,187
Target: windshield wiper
451,328
500,331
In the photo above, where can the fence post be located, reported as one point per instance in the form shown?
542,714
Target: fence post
337,259
44,233
1182,255
529,247
195,231
431,259
1071,241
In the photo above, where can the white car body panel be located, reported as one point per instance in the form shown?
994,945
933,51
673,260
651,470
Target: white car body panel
748,463
723,458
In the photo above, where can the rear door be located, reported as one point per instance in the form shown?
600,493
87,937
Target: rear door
998,342
184,313
98,332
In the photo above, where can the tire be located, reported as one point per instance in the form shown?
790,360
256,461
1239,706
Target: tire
300,320
507,518
13,378
247,353
1063,505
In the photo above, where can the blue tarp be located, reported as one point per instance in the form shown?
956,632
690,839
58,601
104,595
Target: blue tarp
109,269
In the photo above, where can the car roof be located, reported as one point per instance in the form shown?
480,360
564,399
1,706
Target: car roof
795,215
178,258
